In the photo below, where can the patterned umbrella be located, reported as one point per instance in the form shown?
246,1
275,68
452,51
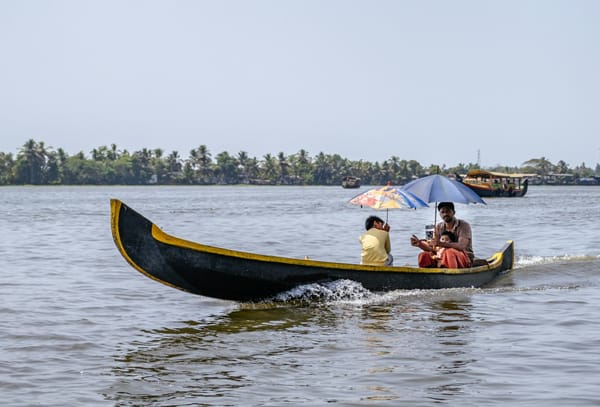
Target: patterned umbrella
388,197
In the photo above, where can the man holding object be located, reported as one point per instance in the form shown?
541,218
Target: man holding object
459,254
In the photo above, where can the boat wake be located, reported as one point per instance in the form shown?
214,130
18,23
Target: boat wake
348,291
529,273
330,291
552,272
526,261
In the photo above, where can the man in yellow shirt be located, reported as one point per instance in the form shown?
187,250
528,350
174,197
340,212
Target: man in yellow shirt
375,243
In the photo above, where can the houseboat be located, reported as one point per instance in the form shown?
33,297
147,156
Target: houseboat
350,182
489,184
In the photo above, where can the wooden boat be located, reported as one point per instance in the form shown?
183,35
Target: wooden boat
489,184
351,182
242,276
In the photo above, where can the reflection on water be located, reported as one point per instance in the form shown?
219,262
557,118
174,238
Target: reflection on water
246,351
454,328
206,361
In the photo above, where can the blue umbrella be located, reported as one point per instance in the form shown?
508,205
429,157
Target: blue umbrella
438,188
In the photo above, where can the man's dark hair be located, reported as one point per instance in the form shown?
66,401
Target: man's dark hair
449,205
371,220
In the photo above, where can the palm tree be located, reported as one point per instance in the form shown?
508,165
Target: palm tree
6,168
141,166
173,167
541,166
403,172
243,161
31,163
201,163
395,169
387,172
227,168
416,170
269,168
322,169
113,154
158,165
301,166
562,167
284,175
55,167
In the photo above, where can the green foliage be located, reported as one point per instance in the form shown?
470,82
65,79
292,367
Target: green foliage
40,165
6,168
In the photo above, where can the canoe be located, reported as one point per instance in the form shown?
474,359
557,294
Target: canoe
242,276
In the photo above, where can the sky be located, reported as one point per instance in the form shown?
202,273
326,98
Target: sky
441,82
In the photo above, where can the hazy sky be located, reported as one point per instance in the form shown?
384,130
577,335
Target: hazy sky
434,81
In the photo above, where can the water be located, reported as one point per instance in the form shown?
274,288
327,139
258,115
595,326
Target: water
79,326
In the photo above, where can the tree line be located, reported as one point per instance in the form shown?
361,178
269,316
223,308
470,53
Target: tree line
37,164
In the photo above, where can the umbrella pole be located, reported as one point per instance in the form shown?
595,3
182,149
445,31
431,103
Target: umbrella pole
434,217
435,207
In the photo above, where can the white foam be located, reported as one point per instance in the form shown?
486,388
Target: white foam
524,261
337,290
352,292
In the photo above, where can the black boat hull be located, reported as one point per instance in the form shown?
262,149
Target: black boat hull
242,276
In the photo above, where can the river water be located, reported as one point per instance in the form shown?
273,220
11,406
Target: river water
79,326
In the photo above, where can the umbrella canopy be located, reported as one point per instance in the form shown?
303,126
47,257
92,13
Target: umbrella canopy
388,197
439,188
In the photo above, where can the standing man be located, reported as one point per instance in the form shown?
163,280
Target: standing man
375,243
462,231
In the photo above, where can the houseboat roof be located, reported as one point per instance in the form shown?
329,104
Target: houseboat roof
483,173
